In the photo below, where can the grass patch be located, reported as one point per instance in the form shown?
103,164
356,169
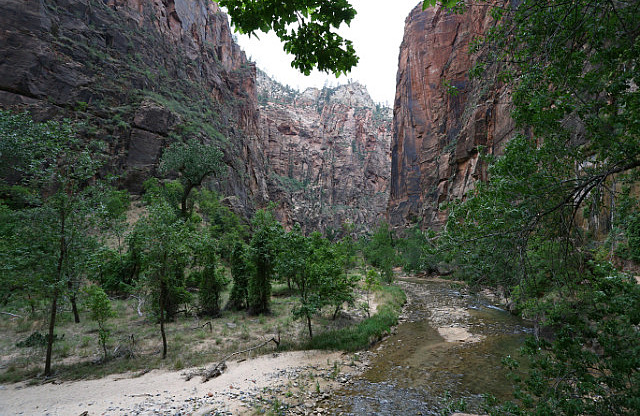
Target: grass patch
368,331
76,354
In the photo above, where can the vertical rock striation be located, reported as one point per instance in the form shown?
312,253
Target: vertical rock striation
441,117
328,154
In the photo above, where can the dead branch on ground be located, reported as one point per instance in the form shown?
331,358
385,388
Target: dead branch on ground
208,323
218,369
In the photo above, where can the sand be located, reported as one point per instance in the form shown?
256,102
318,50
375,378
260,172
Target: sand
164,392
459,334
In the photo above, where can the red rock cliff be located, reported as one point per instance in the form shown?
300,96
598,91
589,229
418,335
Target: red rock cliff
141,73
441,116
328,154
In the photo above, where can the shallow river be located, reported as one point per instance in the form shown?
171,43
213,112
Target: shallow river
416,368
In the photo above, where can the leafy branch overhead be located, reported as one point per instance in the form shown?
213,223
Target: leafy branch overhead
562,199
307,28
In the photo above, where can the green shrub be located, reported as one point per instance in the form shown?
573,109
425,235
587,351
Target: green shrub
100,307
366,332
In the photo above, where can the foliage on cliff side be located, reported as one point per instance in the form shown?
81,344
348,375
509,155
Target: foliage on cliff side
561,200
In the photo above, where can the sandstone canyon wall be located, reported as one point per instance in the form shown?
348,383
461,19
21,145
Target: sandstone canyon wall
140,74
328,152
441,117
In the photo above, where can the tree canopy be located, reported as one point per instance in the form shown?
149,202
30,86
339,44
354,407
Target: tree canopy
56,205
307,28
193,162
560,200
573,69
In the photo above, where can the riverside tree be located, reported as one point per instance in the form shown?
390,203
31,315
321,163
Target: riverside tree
56,206
315,267
224,225
163,243
210,276
242,269
573,69
380,252
265,245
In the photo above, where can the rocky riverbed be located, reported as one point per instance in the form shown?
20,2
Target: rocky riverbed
445,354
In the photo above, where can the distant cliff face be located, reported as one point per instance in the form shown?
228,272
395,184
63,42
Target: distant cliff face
328,154
440,116
141,73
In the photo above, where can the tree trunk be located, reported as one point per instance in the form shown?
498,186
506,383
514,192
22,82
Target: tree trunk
183,201
335,312
52,324
54,301
309,326
74,308
183,206
72,298
164,335
103,341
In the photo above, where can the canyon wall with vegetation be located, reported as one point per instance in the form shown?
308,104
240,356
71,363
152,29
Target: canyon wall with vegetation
137,75
141,74
442,118
329,154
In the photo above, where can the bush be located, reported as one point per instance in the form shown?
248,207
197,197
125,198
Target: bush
593,358
100,307
36,339
366,332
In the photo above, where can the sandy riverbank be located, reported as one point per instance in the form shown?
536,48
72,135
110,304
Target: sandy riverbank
300,373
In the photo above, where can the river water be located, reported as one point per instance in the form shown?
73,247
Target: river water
416,371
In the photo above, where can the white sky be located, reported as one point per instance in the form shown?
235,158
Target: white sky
376,32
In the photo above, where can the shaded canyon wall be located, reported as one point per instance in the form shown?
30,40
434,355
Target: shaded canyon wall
441,117
140,74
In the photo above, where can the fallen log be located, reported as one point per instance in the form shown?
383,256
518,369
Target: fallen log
218,369
203,325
